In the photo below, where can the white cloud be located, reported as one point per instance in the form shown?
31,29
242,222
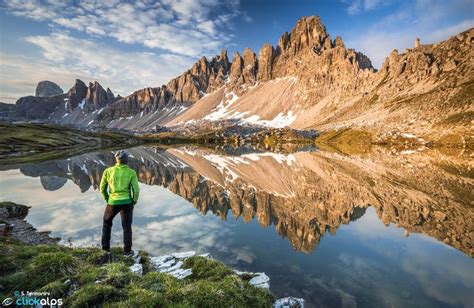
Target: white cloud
177,31
358,6
177,26
64,58
246,17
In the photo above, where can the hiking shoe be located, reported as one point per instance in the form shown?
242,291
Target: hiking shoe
130,253
104,257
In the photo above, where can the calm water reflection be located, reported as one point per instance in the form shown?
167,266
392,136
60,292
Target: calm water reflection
378,230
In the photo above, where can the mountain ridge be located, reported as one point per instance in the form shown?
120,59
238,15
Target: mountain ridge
306,81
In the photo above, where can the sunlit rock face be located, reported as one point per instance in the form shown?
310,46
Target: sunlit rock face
304,195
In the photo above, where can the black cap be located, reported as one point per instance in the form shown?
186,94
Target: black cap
122,155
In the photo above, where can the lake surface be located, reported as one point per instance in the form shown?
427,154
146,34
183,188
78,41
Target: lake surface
373,230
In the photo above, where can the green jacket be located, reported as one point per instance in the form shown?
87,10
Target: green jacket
119,185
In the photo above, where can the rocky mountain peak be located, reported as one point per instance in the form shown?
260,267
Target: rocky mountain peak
338,42
223,57
249,70
110,95
283,42
236,67
76,94
48,88
96,96
88,98
266,55
308,32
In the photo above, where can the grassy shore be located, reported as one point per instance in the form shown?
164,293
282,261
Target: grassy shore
82,278
32,142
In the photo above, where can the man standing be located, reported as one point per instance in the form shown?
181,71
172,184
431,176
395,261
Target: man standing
119,187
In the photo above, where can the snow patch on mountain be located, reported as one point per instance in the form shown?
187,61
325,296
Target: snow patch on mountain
222,110
279,121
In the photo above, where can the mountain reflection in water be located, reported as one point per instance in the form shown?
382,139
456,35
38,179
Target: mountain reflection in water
304,195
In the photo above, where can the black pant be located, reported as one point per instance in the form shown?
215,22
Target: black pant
126,213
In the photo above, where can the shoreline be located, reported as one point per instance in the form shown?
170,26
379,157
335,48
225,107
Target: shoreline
30,142
86,276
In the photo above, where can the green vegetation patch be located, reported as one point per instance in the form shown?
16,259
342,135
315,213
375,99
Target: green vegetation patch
204,268
93,295
82,277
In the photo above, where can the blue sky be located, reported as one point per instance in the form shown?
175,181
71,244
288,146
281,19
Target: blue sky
128,45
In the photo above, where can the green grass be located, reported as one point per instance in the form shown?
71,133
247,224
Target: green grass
93,294
204,268
82,278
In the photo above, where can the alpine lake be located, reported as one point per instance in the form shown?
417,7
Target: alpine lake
379,229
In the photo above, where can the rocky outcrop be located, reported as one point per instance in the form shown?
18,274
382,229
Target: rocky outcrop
309,32
96,97
47,88
236,67
203,77
81,99
7,111
142,102
250,67
88,98
13,225
33,107
265,62
110,96
76,95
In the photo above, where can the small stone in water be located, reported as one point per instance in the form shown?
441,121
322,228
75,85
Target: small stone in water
290,302
259,279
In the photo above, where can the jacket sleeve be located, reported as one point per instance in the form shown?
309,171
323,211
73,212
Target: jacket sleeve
135,188
104,186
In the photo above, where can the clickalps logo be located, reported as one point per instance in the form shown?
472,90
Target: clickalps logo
7,301
31,299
